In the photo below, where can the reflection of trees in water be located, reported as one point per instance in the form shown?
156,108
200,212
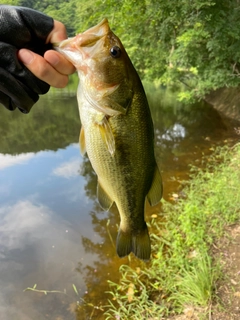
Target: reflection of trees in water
183,132
190,123
52,124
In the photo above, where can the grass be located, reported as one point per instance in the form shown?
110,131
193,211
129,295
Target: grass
182,272
196,284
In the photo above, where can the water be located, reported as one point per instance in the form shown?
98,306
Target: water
52,231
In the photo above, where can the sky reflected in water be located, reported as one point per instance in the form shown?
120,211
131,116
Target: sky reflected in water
41,227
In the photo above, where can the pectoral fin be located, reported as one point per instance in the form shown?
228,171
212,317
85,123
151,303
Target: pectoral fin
107,135
114,106
82,142
103,198
155,193
101,101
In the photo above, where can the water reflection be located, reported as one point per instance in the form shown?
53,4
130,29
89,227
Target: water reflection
52,230
177,131
8,160
40,231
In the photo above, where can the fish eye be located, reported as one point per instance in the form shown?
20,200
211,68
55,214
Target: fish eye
115,52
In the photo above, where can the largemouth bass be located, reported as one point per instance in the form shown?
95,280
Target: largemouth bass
117,132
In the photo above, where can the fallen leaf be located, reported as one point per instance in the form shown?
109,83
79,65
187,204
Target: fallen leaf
233,282
237,294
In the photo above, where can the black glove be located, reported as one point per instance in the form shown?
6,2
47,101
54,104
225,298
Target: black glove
21,28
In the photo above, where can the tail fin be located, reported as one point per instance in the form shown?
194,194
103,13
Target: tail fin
136,242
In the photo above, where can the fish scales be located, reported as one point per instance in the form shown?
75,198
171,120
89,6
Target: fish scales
117,132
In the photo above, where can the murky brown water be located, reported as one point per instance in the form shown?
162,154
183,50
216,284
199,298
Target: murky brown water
52,231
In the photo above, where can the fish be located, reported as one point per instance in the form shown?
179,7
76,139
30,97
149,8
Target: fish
117,132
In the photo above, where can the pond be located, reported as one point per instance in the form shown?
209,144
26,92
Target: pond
53,233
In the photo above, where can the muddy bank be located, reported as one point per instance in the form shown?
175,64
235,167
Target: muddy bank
227,101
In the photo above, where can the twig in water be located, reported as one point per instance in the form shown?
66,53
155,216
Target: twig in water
43,291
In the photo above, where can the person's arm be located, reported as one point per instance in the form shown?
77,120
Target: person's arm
25,31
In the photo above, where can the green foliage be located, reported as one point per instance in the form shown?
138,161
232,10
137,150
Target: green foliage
182,272
62,10
10,2
196,284
132,297
208,44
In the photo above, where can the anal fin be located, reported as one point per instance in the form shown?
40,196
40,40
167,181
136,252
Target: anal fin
155,193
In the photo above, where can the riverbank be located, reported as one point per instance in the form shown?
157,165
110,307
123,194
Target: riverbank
227,101
194,273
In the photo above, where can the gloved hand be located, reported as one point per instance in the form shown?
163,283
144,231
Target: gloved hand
21,28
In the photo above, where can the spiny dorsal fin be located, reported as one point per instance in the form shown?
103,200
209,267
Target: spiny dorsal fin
155,193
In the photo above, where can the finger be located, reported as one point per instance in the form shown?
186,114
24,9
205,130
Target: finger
42,69
59,62
58,33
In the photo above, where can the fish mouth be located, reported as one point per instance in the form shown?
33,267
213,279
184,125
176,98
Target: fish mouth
84,44
92,35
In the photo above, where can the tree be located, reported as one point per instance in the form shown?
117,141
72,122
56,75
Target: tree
191,43
205,55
